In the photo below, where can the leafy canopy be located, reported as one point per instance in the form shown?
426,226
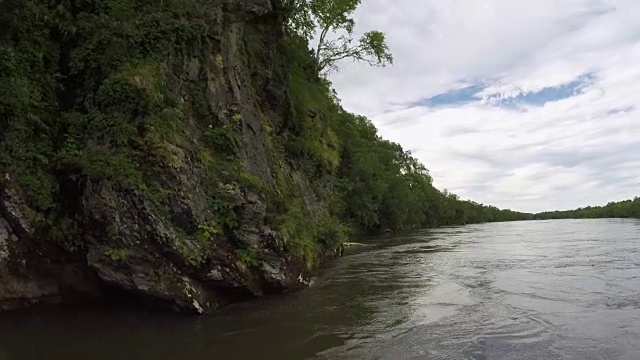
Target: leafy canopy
333,18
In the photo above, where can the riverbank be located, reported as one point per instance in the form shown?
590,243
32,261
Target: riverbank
528,290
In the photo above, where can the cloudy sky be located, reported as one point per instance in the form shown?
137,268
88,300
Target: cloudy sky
529,105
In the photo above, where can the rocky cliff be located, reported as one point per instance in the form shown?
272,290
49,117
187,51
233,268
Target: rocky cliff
142,154
184,154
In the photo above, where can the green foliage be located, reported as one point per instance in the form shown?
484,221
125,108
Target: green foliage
83,88
117,254
310,135
96,89
219,61
371,48
308,239
86,92
378,186
209,231
330,233
27,82
247,257
197,248
332,17
224,204
251,182
308,15
621,209
64,232
300,234
224,138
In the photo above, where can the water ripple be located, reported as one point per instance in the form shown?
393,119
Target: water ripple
566,289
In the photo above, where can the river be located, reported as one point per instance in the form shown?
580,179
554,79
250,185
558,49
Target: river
561,289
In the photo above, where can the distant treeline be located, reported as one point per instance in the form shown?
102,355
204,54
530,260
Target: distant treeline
621,209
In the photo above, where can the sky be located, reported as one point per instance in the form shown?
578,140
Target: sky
527,105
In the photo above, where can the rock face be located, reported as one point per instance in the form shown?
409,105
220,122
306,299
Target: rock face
16,286
21,260
178,246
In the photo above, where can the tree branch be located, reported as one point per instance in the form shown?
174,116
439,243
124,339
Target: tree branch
323,34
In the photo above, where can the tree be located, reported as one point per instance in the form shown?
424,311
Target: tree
332,17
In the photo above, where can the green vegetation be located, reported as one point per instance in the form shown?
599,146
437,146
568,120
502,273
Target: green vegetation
117,254
377,186
84,89
333,17
247,258
128,91
621,209
208,232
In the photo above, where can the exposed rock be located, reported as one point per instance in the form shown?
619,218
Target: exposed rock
14,210
20,286
4,240
151,245
133,248
275,274
249,8
253,210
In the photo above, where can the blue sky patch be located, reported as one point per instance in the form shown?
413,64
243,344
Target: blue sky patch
549,94
461,96
470,94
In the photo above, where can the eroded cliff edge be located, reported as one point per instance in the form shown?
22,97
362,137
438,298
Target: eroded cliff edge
185,154
145,154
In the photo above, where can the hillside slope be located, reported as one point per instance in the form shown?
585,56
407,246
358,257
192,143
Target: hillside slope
184,153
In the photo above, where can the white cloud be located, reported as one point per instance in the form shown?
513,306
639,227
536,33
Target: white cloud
574,152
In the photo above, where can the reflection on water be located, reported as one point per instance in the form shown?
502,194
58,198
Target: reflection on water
566,289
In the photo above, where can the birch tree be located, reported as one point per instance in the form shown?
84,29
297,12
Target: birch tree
333,19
